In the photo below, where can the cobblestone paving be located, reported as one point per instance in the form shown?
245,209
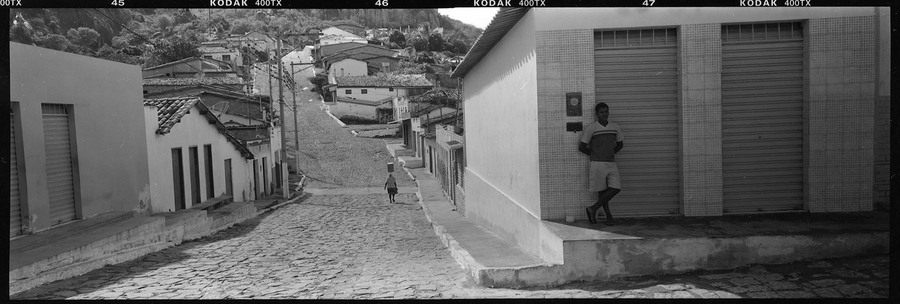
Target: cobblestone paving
353,245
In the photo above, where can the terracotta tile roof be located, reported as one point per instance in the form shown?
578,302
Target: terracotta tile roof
171,110
374,103
246,134
206,64
193,81
390,80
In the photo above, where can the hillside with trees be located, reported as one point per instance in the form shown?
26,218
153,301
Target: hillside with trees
149,37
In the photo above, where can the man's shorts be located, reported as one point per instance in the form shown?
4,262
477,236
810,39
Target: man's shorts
604,175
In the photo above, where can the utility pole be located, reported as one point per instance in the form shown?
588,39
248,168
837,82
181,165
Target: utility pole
283,164
269,72
296,134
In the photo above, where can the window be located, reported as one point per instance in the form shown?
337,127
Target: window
226,57
390,89
364,91
208,57
348,91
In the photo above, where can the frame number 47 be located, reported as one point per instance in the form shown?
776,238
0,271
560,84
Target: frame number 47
649,2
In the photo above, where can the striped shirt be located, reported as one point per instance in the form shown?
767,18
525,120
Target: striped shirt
602,140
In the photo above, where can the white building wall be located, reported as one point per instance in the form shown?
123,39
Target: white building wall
502,163
110,151
340,109
193,130
372,94
349,67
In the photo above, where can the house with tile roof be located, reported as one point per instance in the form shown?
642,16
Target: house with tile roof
192,67
77,147
352,47
231,108
372,91
346,107
193,157
374,63
328,39
236,84
223,53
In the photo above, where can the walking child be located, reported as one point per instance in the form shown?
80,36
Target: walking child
391,186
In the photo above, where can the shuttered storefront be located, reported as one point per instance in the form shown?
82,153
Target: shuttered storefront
15,207
636,75
762,117
60,171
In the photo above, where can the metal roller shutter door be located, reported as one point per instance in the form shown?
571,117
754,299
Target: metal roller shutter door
60,172
762,117
636,75
15,207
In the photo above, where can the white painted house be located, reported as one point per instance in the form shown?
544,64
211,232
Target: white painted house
349,67
192,157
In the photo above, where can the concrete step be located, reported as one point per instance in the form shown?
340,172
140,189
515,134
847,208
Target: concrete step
637,247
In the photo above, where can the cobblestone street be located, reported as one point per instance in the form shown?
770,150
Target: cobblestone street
359,246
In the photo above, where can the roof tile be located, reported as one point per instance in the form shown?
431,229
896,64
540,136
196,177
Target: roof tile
193,81
389,80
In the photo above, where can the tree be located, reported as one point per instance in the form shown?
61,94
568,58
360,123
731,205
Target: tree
420,44
436,42
54,41
240,26
164,22
398,38
20,34
173,49
87,38
459,47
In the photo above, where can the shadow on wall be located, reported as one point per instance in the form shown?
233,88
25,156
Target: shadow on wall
514,61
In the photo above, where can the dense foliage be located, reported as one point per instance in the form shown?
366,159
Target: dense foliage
154,36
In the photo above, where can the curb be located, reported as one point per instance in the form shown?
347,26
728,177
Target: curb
475,270
343,125
276,206
506,277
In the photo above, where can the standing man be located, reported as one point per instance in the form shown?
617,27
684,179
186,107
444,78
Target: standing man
601,140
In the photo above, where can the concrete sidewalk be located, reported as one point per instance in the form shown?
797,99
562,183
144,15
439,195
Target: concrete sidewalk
649,246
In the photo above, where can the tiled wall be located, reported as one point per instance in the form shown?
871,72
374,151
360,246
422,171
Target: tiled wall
882,187
565,63
700,102
840,113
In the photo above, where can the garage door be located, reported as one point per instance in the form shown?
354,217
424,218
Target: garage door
60,171
15,207
762,117
636,75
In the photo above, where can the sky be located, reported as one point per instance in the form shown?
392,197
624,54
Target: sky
477,16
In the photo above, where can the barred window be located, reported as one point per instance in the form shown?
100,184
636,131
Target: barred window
762,32
632,38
